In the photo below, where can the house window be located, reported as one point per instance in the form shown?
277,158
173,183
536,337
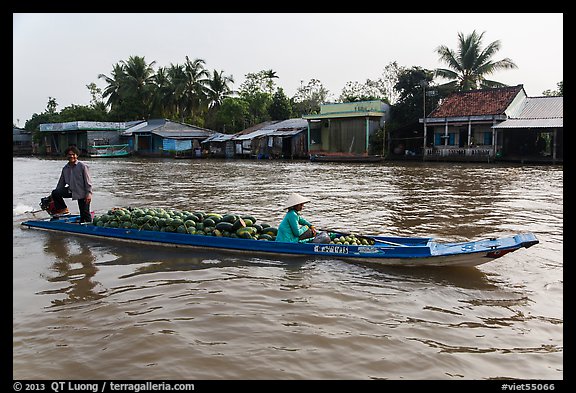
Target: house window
439,139
488,138
315,136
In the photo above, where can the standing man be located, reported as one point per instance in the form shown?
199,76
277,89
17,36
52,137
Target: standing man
74,183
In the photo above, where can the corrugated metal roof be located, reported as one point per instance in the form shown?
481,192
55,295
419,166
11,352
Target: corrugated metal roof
146,126
538,112
288,123
182,134
169,129
251,135
531,123
256,127
282,128
218,137
143,128
286,132
543,108
83,125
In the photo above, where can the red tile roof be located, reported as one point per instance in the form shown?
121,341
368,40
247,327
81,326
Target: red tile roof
477,102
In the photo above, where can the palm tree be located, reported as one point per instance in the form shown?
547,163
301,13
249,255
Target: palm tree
112,91
195,85
130,87
470,63
162,94
268,76
174,96
218,89
139,83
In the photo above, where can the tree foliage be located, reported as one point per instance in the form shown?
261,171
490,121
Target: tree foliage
259,82
280,107
555,93
94,112
388,80
233,115
190,93
380,89
308,98
469,64
411,86
367,91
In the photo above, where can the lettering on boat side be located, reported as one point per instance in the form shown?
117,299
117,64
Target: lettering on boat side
369,250
332,249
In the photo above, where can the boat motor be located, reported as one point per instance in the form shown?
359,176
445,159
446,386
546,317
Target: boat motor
47,203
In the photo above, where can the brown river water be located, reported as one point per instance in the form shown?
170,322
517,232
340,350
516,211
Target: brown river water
94,309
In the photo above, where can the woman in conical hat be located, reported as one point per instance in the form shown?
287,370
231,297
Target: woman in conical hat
294,227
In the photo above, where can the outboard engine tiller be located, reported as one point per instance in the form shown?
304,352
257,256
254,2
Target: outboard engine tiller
47,204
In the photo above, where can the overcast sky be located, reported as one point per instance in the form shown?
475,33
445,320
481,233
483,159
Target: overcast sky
57,55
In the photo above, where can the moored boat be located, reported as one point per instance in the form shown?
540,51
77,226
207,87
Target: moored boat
109,151
339,157
384,250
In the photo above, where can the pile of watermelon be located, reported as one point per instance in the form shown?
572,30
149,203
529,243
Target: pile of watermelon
183,221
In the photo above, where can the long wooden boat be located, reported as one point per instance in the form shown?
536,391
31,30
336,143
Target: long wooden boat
109,150
351,158
386,250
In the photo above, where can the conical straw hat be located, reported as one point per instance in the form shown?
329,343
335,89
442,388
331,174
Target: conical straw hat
295,199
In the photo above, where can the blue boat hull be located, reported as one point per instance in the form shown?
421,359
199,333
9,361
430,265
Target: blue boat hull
393,251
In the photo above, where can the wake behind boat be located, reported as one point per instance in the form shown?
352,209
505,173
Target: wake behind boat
383,250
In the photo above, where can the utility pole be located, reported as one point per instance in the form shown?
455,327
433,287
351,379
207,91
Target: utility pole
424,83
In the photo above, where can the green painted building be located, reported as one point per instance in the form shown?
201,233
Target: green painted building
346,129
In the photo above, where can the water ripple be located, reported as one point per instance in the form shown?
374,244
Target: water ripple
101,309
